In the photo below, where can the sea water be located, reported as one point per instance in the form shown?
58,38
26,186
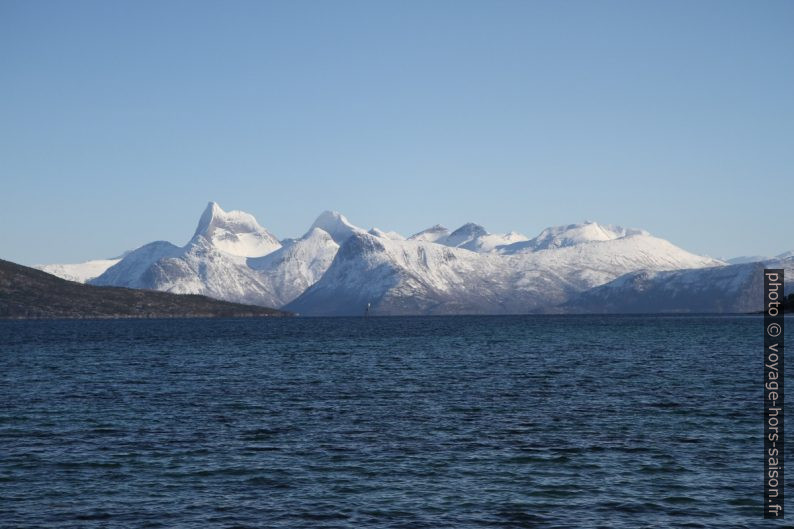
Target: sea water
427,422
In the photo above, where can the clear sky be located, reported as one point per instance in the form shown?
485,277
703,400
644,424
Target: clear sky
120,120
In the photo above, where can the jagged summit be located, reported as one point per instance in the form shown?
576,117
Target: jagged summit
336,225
235,232
215,217
464,235
431,234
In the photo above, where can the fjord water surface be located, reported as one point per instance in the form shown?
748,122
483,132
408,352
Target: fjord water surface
459,422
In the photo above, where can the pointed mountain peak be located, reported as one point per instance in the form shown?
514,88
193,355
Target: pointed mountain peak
465,235
336,225
470,228
431,234
212,211
235,232
330,215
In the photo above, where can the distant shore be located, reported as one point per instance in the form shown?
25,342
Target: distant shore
30,294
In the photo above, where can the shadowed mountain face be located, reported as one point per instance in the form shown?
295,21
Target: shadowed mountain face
735,288
30,293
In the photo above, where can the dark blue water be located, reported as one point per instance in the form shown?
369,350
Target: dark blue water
459,422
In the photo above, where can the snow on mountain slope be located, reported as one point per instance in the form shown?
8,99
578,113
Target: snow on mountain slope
435,233
214,262
493,241
129,271
586,265
80,272
734,289
419,277
572,235
292,269
235,232
209,264
470,236
338,268
393,235
336,225
199,267
413,277
464,235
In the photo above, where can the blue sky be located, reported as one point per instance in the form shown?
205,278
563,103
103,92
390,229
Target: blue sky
120,120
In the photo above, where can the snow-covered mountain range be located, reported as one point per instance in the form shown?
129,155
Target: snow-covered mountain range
337,268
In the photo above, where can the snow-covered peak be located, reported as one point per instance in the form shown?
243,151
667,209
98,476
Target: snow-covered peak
465,234
80,272
433,234
391,235
214,216
574,235
470,236
336,225
235,232
494,241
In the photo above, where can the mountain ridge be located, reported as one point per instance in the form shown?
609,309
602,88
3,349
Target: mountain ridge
337,267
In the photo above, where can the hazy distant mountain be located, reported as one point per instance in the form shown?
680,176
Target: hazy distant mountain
733,288
744,259
435,233
30,293
758,258
386,234
573,235
469,236
340,268
80,272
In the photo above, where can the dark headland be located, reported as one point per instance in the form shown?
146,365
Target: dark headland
27,293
